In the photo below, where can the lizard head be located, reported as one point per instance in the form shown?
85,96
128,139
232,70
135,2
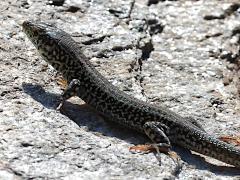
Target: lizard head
46,38
56,47
40,33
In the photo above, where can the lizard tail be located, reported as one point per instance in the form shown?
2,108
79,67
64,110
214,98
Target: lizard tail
205,144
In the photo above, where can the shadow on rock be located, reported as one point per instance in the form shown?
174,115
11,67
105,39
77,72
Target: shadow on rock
84,115
48,100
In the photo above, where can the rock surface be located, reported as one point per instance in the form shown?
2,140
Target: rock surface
182,54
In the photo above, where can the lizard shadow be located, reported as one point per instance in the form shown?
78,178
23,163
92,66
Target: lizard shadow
85,116
48,100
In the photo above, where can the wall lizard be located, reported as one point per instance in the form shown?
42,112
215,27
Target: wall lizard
162,126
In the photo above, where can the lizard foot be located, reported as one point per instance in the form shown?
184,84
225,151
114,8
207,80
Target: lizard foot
147,148
164,148
234,140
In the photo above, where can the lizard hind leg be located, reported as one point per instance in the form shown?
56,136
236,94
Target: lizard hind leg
70,91
156,132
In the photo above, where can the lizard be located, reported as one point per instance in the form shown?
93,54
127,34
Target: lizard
163,126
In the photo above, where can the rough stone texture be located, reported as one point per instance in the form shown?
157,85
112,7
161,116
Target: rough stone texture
183,54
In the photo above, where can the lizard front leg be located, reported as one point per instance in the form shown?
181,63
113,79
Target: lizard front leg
70,91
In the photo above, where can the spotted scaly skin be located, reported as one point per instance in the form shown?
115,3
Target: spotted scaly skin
161,125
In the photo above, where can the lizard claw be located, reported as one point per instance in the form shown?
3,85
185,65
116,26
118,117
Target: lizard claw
59,106
61,103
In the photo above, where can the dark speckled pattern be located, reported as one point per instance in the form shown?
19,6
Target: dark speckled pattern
159,123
